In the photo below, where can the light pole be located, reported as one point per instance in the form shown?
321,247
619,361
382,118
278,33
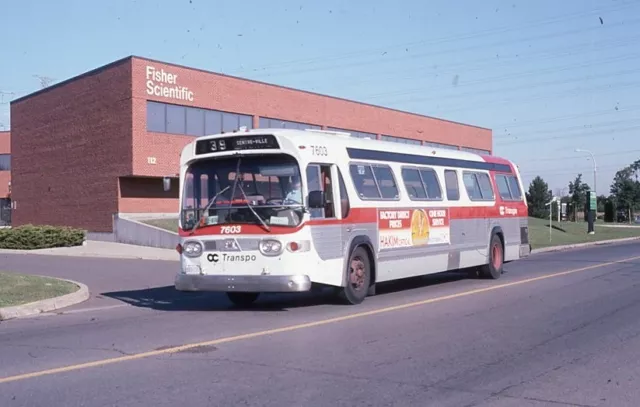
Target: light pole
595,167
595,174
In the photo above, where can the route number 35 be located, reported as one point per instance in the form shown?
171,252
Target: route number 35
319,150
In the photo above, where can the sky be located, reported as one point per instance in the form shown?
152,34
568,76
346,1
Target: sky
548,77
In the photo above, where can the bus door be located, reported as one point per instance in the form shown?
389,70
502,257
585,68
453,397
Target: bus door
333,233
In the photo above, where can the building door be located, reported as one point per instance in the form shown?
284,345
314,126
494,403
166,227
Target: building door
5,211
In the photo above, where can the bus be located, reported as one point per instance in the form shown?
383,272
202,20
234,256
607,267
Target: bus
284,210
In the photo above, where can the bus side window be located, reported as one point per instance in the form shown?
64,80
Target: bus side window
514,186
503,187
451,183
344,198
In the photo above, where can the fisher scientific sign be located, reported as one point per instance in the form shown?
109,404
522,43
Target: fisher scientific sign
165,84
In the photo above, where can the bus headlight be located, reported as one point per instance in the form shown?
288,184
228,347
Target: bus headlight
192,249
270,247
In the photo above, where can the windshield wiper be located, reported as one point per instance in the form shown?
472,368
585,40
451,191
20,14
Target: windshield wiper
233,193
206,208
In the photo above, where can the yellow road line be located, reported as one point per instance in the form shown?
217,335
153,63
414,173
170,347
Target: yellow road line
181,348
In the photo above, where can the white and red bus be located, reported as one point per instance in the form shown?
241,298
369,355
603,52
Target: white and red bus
276,210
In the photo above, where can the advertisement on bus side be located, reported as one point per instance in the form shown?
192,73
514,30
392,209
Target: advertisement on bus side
412,227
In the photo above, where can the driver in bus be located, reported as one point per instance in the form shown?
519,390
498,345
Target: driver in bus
295,192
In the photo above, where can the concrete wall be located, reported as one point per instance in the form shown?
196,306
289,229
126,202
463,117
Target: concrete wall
130,231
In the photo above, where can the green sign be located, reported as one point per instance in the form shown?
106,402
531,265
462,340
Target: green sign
593,203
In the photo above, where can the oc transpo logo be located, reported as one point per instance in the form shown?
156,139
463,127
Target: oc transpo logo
508,211
240,258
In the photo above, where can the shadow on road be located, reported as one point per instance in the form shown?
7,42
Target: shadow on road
169,299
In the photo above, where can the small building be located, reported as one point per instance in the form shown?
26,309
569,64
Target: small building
99,144
5,178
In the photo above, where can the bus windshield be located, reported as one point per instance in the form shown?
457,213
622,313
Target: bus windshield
253,189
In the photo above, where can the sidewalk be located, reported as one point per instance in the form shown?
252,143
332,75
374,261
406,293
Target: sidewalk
106,250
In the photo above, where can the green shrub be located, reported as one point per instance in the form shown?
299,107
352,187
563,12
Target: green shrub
30,237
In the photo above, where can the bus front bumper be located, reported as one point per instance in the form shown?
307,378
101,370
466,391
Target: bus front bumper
280,284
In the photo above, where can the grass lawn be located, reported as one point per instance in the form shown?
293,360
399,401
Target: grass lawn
561,234
17,289
167,224
573,232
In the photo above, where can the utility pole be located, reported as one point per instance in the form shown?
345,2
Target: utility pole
45,81
3,94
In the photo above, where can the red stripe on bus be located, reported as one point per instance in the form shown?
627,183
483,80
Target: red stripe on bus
369,215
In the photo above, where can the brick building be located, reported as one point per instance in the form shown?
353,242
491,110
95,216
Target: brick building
5,178
99,144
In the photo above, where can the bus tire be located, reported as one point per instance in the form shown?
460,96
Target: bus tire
358,278
241,299
493,270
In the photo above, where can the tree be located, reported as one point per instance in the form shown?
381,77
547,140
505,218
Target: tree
625,188
578,191
537,197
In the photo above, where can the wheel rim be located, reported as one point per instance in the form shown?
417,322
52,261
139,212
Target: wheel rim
496,256
357,273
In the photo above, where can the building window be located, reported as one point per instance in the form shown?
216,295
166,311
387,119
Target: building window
476,150
401,140
356,134
156,117
5,162
192,121
195,122
440,145
267,123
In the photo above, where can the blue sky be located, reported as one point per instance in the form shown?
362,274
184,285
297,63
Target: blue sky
546,76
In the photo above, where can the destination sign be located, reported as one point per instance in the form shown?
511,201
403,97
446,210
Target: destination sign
234,143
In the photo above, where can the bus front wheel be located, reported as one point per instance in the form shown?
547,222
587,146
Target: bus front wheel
242,299
358,277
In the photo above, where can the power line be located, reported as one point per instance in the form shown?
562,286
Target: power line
472,34
534,85
559,95
535,72
472,65
553,119
564,130
453,50
582,136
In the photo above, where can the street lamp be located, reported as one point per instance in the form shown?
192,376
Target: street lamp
595,172
595,168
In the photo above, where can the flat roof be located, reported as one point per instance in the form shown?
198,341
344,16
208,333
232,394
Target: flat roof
131,57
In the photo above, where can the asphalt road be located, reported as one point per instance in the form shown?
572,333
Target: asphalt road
557,329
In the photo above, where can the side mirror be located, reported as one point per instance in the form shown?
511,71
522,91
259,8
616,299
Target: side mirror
317,199
166,184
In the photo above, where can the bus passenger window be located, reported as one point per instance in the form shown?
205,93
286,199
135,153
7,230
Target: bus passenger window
471,184
451,183
485,186
386,183
413,184
503,187
364,182
430,180
514,186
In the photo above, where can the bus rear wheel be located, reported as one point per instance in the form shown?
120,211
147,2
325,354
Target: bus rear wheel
242,299
493,270
358,277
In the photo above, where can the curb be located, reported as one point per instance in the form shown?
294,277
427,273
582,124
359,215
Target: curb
167,257
582,245
50,304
